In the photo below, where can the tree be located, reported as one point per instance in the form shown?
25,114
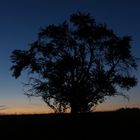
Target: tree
76,64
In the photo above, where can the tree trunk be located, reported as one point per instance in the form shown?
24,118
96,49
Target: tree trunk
74,109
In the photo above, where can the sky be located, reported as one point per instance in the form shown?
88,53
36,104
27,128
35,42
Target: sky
20,22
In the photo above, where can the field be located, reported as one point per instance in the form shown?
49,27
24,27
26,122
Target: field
107,125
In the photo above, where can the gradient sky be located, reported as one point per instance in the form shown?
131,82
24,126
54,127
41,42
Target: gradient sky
20,21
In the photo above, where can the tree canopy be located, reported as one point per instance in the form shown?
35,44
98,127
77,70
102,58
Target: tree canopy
76,64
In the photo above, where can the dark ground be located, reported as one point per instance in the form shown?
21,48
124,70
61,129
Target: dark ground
100,125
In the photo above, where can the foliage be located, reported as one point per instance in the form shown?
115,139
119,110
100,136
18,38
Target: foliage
76,64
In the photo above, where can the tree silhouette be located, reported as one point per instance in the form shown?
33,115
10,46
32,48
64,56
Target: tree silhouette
76,64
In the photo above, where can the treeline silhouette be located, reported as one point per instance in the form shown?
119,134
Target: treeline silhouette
126,109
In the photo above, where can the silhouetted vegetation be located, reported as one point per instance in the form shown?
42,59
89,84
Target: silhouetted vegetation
133,109
76,64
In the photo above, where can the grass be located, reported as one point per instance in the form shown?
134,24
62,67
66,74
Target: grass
121,123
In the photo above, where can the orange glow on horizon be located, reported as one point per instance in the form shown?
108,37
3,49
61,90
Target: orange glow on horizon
40,108
27,110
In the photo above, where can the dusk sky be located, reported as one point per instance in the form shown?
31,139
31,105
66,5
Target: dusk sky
21,20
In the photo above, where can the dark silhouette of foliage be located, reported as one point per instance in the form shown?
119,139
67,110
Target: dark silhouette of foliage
76,64
134,109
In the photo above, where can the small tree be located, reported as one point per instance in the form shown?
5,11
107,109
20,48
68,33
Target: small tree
76,64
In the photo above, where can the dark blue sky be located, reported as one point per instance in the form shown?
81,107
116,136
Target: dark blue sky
20,21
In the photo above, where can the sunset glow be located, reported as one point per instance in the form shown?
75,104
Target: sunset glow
20,23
